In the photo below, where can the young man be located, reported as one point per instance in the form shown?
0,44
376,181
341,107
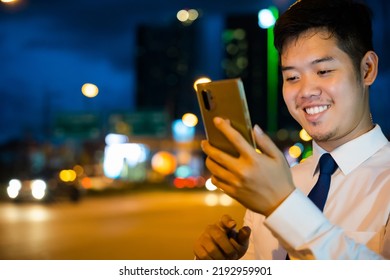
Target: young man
328,65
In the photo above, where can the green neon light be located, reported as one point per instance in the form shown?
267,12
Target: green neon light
272,78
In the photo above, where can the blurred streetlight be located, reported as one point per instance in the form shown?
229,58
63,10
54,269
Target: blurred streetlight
89,90
190,119
187,16
14,5
266,18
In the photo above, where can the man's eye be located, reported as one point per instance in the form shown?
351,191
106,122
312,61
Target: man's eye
323,72
293,78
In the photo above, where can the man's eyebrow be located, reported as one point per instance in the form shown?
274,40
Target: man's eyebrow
286,68
316,61
323,59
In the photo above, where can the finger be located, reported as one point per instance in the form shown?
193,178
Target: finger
220,172
227,223
207,245
235,138
216,154
225,187
201,254
243,235
241,241
221,164
265,143
224,245
213,253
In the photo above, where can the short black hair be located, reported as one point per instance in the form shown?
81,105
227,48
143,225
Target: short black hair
350,22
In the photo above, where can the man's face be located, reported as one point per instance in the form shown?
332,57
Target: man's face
322,90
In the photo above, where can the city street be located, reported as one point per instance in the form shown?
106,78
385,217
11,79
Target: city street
136,226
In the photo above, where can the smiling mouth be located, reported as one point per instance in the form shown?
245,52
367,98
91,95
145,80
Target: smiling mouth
316,109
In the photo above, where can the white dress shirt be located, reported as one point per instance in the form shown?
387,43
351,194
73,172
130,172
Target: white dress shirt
355,222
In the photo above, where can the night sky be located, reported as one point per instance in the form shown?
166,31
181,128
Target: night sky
49,49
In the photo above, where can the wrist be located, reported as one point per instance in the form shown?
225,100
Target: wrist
278,201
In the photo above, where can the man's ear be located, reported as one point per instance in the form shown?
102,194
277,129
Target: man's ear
369,66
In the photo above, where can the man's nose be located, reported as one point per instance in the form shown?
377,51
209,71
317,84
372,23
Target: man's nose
309,88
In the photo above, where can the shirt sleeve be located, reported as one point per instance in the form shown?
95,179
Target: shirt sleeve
306,233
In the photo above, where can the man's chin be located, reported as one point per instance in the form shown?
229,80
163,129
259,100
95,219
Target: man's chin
321,137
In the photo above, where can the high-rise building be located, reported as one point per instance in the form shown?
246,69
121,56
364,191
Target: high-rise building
170,57
165,59
246,57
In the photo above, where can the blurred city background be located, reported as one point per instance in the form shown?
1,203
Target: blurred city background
100,128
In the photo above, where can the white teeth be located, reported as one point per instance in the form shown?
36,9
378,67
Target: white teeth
316,110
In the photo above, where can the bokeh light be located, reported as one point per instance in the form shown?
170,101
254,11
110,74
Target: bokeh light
201,80
295,151
86,183
38,189
182,15
164,163
14,5
182,132
304,135
183,171
282,134
190,119
211,199
113,138
79,170
187,16
67,175
266,18
118,158
90,90
209,185
225,200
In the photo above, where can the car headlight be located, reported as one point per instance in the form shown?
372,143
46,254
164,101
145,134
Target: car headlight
13,188
38,189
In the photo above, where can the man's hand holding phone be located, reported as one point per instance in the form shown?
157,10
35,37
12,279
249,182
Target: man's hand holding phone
259,181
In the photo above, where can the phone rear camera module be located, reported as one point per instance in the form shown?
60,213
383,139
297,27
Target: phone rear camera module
206,99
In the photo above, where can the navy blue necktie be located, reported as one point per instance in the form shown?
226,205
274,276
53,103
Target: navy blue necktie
319,192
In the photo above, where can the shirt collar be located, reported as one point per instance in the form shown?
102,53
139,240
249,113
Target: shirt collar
353,153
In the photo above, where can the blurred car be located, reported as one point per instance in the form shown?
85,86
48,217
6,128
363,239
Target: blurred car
41,189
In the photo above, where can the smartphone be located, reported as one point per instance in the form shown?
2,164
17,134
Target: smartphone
225,99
